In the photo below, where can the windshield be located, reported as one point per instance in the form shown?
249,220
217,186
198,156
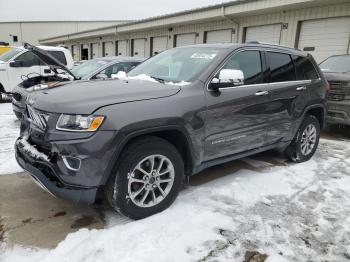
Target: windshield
336,64
10,54
88,67
176,65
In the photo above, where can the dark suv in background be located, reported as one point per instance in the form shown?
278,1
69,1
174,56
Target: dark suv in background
337,71
186,109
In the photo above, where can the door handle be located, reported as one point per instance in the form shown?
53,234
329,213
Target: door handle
262,93
301,88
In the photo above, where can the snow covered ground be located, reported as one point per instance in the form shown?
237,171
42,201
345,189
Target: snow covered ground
290,212
8,134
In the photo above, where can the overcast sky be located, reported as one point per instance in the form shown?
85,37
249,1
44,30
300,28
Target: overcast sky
36,10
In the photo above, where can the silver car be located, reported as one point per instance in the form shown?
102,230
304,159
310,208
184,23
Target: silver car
98,68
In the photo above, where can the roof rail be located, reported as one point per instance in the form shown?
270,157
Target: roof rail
271,44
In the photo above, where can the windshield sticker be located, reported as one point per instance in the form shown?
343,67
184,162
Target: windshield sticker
203,56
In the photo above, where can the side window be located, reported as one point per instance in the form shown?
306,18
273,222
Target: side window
249,62
304,68
29,59
113,69
281,67
59,55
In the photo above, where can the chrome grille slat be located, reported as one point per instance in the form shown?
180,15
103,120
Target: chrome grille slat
37,118
338,90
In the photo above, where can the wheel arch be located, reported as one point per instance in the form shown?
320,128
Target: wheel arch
175,135
318,111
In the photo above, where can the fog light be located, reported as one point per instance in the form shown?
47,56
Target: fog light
72,163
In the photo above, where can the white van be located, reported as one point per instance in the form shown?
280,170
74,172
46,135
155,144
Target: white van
20,63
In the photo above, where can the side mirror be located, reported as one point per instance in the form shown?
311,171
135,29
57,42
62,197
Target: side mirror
16,63
101,76
228,78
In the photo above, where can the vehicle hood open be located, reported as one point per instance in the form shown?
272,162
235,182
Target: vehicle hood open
84,97
48,59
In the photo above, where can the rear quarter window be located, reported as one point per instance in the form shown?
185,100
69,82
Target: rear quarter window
281,67
305,70
59,55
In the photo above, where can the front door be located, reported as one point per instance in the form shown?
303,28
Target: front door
237,117
30,67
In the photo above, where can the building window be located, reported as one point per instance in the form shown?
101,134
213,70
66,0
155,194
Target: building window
15,38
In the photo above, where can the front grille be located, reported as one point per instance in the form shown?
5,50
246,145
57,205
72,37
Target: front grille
38,118
338,90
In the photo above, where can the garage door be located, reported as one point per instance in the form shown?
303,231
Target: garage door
122,48
325,37
219,36
94,50
266,33
185,39
75,52
159,44
108,49
139,47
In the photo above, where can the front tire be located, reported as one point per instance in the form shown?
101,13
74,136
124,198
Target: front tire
147,179
306,140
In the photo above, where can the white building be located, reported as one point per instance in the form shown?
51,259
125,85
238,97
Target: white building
321,27
15,33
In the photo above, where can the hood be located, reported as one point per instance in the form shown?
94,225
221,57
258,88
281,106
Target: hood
343,77
48,59
84,97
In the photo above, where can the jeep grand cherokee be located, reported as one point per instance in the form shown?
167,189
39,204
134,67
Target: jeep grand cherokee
186,109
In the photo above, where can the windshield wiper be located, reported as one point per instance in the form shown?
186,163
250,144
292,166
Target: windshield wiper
160,80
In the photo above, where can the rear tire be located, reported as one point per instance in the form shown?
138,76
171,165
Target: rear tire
147,179
306,140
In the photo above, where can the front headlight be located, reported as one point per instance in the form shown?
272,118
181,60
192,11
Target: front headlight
79,123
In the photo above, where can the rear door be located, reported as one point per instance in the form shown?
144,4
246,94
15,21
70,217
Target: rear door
237,117
288,96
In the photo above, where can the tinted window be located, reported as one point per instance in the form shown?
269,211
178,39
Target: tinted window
304,68
281,67
59,55
249,62
29,59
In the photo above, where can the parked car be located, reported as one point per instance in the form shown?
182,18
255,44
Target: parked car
21,63
99,68
337,71
186,109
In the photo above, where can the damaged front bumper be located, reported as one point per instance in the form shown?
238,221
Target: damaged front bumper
42,171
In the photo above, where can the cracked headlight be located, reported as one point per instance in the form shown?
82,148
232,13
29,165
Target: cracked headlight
79,123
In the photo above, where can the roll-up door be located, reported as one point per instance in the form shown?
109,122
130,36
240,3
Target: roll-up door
75,52
325,37
94,50
159,44
185,39
219,36
122,48
108,49
139,47
265,33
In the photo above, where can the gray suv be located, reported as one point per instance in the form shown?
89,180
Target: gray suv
337,72
134,140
